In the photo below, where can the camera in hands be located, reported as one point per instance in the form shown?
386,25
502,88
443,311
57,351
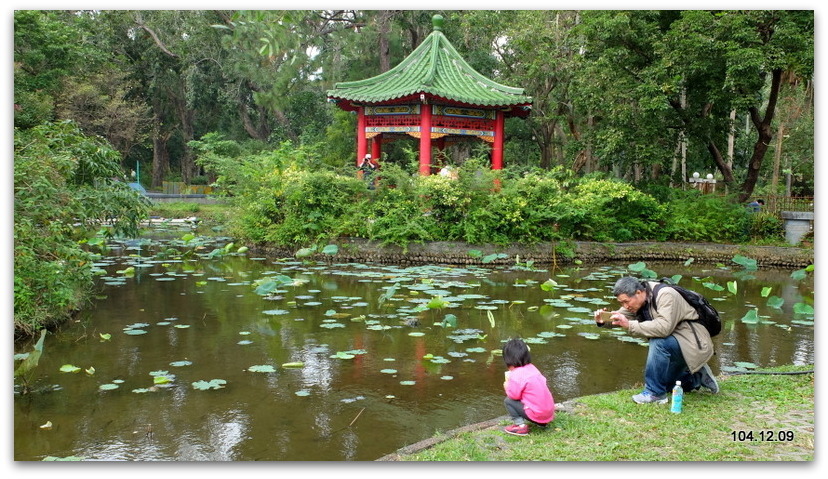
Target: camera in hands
604,320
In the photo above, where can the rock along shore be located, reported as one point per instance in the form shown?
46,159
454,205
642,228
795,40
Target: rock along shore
449,252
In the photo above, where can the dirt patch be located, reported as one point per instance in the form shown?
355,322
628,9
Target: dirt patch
496,423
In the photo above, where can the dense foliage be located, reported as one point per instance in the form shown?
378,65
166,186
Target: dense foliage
625,103
65,185
280,201
640,94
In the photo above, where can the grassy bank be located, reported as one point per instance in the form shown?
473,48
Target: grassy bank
777,410
214,212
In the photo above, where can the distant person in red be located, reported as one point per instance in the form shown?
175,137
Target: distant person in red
528,397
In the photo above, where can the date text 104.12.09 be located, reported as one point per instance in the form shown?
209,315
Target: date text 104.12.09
763,435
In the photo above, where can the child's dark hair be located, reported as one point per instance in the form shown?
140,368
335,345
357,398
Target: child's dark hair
516,353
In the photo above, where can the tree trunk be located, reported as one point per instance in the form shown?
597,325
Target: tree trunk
545,136
731,139
383,29
257,130
763,127
777,157
160,158
727,172
186,117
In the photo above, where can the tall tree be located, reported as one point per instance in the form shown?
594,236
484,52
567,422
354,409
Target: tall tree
719,60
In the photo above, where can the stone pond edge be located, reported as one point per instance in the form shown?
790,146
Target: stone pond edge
450,252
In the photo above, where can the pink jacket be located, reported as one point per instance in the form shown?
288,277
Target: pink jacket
527,385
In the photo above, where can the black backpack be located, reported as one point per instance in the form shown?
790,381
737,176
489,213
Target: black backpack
708,316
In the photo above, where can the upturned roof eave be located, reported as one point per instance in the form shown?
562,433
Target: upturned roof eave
420,70
413,94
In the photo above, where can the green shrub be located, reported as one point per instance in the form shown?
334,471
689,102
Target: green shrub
313,205
766,226
63,189
281,199
698,217
611,210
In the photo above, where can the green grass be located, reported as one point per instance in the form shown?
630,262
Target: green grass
182,209
611,427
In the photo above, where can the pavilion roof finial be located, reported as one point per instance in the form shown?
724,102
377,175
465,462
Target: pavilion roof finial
437,21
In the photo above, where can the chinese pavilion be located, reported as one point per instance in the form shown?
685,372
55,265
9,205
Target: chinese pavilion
432,95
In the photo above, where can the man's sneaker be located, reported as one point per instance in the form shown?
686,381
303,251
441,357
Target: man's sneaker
708,380
645,398
517,429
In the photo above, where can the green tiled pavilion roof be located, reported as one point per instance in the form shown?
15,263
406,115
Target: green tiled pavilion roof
433,68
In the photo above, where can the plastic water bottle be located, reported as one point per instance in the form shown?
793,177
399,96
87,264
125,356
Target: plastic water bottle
678,397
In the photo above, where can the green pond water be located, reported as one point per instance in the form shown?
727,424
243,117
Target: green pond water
196,352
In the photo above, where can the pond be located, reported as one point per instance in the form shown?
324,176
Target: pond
196,351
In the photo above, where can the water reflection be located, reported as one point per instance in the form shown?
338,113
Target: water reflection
371,361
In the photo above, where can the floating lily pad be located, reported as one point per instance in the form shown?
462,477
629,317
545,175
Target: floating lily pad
389,371
302,392
550,334
108,387
408,383
212,384
262,368
179,364
332,325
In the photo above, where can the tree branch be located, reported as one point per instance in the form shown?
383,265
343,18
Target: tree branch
155,38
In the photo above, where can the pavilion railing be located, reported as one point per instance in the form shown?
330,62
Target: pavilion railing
778,203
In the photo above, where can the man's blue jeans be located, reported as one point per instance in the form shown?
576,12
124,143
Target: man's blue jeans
665,365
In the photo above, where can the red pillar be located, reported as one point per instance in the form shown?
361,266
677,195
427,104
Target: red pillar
497,146
362,142
376,147
425,140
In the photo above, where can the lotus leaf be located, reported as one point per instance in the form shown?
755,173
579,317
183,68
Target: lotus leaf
803,308
262,368
212,384
775,302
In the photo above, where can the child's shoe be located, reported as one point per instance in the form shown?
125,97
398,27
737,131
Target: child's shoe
517,429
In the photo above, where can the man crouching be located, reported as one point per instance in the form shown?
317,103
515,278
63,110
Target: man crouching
679,346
